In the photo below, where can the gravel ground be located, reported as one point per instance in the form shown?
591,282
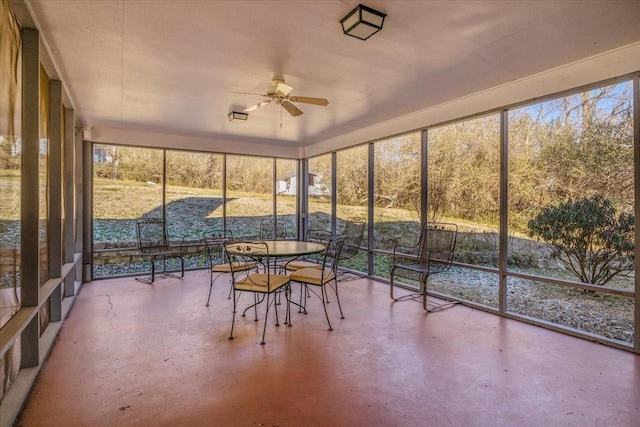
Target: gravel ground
603,314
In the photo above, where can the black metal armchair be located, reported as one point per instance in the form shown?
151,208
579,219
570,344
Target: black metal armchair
275,229
314,260
353,235
218,260
313,277
261,282
432,255
154,245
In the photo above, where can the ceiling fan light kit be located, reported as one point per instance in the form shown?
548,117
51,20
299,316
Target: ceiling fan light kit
238,117
362,22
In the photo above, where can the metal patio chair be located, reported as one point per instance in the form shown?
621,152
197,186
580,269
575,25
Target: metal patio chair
353,236
314,260
312,277
262,283
309,261
433,254
154,245
218,260
275,229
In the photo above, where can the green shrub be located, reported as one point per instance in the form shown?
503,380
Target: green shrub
522,259
588,238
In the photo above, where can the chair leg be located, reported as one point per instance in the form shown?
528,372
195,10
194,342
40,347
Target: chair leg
211,280
266,317
338,298
233,318
324,305
304,291
255,306
391,284
276,303
153,270
288,297
327,296
424,295
435,306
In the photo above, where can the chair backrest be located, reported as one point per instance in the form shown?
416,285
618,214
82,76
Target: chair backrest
319,236
252,254
437,244
334,252
214,242
275,229
330,257
152,235
353,236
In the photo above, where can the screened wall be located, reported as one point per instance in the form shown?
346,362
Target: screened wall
536,160
544,198
522,185
188,190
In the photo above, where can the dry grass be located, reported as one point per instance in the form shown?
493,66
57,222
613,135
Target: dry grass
133,199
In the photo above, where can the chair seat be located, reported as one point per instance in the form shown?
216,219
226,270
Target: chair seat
299,265
165,253
420,268
431,268
236,266
258,282
313,276
434,253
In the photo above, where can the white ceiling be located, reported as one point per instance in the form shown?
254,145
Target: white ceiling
170,67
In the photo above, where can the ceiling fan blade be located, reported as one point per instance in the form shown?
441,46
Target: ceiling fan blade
258,105
309,100
283,89
249,93
292,109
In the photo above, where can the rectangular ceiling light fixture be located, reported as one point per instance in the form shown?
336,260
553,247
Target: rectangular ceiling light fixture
362,22
238,117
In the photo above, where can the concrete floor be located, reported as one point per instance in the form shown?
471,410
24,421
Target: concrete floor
135,354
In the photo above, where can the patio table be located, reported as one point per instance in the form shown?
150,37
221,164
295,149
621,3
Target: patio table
292,248
286,249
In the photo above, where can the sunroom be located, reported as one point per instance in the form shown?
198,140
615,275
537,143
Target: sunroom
517,121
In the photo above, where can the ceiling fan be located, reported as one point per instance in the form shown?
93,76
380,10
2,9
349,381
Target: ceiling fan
280,94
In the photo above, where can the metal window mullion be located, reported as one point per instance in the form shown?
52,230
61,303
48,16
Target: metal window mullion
370,211
87,210
164,185
424,177
636,156
334,191
303,198
504,210
274,197
224,193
